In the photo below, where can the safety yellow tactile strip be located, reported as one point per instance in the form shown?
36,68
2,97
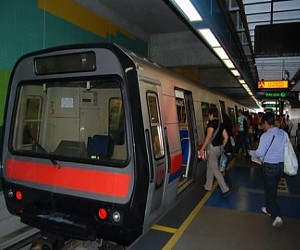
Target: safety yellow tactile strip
178,232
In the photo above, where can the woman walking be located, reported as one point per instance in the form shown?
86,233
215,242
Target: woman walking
216,138
271,151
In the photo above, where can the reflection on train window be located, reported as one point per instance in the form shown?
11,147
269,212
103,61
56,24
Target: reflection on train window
181,112
205,107
32,119
79,120
116,120
156,127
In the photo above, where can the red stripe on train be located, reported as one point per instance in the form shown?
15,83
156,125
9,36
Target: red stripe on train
176,163
107,183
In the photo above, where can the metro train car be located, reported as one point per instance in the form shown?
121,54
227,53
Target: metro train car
99,142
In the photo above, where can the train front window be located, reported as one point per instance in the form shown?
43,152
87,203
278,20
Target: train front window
74,121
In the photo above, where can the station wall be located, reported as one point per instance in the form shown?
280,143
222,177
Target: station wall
30,25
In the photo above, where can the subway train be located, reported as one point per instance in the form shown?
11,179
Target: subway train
98,143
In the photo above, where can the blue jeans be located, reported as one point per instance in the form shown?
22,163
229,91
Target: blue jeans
272,173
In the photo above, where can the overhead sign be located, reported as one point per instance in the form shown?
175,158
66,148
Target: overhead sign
273,84
270,105
276,94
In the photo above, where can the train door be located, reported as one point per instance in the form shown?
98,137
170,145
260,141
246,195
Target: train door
188,133
156,147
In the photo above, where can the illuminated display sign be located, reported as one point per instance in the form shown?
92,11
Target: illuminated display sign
77,62
276,95
273,84
270,105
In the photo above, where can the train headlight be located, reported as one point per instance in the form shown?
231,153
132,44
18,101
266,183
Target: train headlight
116,216
10,193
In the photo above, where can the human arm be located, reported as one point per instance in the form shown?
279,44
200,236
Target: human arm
209,134
225,137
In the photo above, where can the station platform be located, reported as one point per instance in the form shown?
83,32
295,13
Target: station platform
207,220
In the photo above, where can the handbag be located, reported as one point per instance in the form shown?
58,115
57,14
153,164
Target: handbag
223,162
232,142
290,158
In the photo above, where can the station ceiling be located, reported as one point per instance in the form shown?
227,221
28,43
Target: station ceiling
175,43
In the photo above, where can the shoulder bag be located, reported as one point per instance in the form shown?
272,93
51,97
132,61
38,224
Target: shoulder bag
260,160
290,158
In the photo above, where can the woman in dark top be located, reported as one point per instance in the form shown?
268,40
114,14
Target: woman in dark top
216,138
228,126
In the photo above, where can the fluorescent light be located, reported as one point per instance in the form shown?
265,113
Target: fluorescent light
242,81
235,72
228,63
221,53
189,10
209,37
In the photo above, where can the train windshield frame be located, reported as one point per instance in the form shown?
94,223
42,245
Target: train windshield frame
77,120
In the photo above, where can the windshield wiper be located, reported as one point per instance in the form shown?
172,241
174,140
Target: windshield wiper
45,152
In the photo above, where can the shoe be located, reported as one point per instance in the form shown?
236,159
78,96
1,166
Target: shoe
206,190
226,193
264,210
277,222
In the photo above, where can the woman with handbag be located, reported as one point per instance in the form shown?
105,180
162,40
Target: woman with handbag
216,138
271,150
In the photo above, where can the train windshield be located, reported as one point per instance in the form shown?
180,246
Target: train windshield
71,120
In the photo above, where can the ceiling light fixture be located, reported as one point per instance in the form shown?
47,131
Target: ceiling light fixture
188,9
229,63
209,37
235,72
221,53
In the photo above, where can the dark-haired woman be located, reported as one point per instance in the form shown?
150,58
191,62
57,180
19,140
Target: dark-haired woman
271,150
216,138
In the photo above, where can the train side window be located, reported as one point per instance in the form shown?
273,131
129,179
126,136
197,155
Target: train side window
32,119
156,127
205,108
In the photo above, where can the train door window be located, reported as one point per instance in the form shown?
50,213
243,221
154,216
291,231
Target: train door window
181,112
205,107
222,106
32,119
156,126
231,114
116,120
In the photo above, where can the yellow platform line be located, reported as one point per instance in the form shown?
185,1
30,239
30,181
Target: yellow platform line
164,229
171,243
282,186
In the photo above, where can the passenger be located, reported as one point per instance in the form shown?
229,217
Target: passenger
228,126
255,121
272,152
289,125
242,142
216,138
260,126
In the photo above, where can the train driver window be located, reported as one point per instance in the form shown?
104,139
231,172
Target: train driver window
156,127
